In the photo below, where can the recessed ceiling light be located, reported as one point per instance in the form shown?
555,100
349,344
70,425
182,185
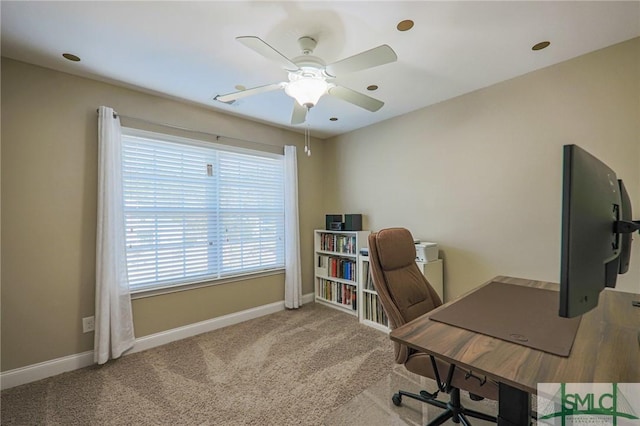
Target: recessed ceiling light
71,57
333,119
541,45
405,25
372,87
240,87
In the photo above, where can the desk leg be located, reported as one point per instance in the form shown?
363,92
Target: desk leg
514,406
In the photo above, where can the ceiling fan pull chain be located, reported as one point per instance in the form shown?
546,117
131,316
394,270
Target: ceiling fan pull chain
306,148
308,139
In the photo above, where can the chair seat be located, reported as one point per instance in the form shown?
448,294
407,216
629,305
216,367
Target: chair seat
420,364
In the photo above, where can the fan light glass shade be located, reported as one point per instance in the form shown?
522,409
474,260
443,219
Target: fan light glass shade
307,91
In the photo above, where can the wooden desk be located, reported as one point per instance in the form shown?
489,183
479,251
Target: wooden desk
606,350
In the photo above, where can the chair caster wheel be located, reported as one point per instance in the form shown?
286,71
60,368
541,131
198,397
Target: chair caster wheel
397,399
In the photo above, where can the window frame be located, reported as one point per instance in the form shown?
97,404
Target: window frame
202,281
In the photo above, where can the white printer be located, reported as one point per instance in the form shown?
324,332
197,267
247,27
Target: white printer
426,252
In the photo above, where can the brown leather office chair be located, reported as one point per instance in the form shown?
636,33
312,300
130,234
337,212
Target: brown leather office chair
405,294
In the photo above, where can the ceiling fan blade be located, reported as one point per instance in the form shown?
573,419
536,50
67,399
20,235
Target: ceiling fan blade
371,58
356,98
260,46
230,97
299,114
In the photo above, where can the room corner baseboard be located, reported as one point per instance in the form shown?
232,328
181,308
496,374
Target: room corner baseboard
42,370
307,298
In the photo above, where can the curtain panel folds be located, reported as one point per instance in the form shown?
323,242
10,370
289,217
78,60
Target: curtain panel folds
293,275
113,317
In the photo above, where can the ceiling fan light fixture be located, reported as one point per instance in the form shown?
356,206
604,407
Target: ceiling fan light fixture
306,90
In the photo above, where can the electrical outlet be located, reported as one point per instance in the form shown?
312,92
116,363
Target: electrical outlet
88,324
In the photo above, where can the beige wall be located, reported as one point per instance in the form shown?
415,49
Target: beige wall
481,174
49,180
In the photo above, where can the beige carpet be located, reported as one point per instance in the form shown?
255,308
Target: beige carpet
292,367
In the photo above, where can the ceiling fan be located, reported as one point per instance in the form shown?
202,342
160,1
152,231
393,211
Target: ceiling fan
310,78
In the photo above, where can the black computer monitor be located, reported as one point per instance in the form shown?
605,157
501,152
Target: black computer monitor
596,231
625,238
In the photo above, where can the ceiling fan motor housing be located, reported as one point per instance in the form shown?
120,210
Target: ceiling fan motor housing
307,44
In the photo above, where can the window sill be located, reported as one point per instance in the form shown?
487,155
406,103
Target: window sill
174,288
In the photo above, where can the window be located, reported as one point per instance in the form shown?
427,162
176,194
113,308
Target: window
197,211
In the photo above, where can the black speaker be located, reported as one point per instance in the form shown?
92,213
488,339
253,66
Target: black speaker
353,222
332,219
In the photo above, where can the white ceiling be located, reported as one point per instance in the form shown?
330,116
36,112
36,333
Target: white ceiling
188,50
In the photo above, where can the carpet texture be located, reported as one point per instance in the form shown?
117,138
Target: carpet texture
291,367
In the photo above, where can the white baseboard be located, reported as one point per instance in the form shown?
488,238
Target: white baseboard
308,298
42,370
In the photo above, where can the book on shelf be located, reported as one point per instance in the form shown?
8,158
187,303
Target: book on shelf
322,265
373,309
338,243
336,267
368,281
382,317
340,293
342,268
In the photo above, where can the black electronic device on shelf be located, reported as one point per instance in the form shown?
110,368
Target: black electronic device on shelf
333,222
353,222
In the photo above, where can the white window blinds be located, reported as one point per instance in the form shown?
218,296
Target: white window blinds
197,212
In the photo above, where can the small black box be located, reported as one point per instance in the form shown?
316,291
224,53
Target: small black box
330,219
353,222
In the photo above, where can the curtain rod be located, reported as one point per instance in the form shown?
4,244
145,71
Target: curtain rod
173,126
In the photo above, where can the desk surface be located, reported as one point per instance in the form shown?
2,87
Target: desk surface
606,348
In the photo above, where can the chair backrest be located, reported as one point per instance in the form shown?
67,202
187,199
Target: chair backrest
403,291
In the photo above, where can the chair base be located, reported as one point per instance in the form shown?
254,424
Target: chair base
453,409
